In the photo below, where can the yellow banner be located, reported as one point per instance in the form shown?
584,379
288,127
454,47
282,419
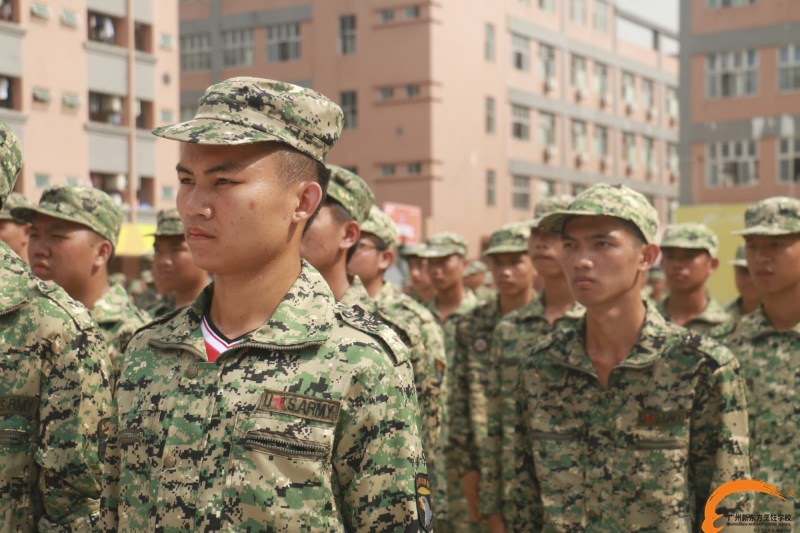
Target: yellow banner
135,239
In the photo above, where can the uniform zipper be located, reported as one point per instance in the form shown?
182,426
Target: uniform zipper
13,437
130,436
268,443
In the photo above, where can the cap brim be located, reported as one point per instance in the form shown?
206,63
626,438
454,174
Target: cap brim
507,249
213,131
737,263
27,214
166,234
442,252
763,230
554,222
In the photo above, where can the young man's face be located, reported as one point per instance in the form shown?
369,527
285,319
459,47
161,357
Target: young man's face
369,262
603,260
445,272
64,252
686,269
512,273
774,262
15,235
173,265
744,283
418,273
544,248
322,243
239,212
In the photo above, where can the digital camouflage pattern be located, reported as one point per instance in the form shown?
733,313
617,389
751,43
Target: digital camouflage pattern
601,199
778,215
643,454
168,223
76,203
380,226
444,244
10,160
309,423
739,260
118,319
413,250
512,342
712,316
549,205
250,110
54,397
14,199
511,238
475,267
351,192
692,236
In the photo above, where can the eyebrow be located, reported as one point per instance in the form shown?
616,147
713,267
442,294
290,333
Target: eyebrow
224,167
601,235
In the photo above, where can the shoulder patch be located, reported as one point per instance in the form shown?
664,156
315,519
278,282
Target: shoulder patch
708,347
359,319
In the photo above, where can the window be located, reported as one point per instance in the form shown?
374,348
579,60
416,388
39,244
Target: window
600,21
490,118
672,158
414,169
732,74
721,4
577,11
545,188
547,62
102,28
577,76
412,12
789,68
648,99
42,181
489,44
672,103
521,193
7,10
145,114
600,141
105,108
650,155
348,101
8,90
547,129
579,137
520,119
143,37
237,48
789,160
628,88
167,193
347,34
283,43
491,188
601,78
195,52
629,148
387,170
387,15
412,90
386,93
547,5
731,164
520,52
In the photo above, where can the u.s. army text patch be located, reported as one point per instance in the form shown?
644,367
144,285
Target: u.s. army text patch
299,405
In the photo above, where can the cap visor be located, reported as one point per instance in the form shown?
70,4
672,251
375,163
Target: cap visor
505,250
763,230
212,131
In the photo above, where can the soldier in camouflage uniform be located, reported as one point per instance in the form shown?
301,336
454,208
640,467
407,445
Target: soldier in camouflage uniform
54,393
474,279
13,231
767,344
511,266
74,232
689,257
514,336
444,253
748,299
265,405
626,422
179,277
412,322
421,287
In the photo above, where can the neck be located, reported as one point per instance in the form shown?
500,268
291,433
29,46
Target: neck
186,296
748,305
449,299
783,308
557,297
336,277
243,302
509,302
684,306
612,331
427,294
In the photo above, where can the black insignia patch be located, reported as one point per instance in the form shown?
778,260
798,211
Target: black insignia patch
19,405
422,490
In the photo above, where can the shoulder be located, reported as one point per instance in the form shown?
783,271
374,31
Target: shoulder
51,303
156,328
703,347
362,331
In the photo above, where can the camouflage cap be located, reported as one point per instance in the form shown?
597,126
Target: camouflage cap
690,235
656,274
779,215
10,160
608,200
351,192
741,259
413,250
444,244
511,238
146,276
475,267
14,200
83,205
168,222
381,226
549,205
250,110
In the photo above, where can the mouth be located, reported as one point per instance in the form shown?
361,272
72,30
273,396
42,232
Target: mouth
40,266
582,282
195,233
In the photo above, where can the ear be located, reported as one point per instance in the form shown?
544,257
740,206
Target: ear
309,196
714,263
102,253
352,233
386,259
650,253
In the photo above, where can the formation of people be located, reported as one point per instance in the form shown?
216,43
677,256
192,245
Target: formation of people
578,378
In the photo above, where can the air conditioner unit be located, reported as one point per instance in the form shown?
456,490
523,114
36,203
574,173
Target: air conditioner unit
111,104
550,152
117,182
550,85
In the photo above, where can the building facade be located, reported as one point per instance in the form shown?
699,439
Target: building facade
471,110
740,96
82,82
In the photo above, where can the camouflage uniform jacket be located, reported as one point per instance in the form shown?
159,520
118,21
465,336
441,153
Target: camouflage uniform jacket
643,453
770,363
309,423
54,393
713,315
118,319
734,310
514,338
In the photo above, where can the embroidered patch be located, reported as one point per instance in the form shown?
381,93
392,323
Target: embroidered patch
481,345
103,429
309,407
661,418
19,405
422,489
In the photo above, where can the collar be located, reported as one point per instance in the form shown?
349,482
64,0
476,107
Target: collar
17,279
713,313
111,306
757,324
357,295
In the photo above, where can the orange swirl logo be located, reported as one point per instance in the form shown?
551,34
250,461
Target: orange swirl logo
733,487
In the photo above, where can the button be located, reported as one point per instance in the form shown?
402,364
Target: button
192,371
170,461
43,285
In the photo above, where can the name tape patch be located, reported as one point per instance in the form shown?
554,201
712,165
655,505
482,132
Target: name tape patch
19,405
301,406
661,418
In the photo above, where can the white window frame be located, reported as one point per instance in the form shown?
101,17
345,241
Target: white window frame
629,87
578,138
520,122
284,42
520,52
349,109
629,148
237,48
737,156
577,11
788,160
648,93
195,52
491,114
545,188
489,44
491,188
673,109
547,61
601,16
601,81
735,69
347,34
577,71
521,192
789,68
547,129
600,141
725,4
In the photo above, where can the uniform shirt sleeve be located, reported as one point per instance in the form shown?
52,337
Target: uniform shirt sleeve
462,455
491,453
524,512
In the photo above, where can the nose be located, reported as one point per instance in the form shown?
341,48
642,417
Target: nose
196,203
